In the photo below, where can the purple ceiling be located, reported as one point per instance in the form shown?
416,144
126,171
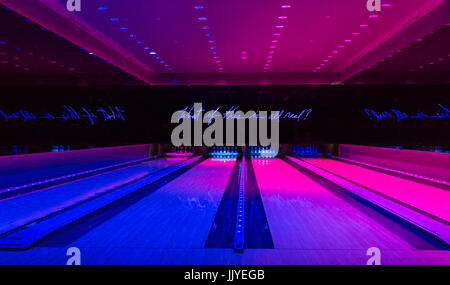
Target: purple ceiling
225,42
33,54
427,60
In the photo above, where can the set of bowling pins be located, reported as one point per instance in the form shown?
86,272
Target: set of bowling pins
224,152
261,151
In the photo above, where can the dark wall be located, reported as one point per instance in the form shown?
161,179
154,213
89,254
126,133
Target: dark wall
40,116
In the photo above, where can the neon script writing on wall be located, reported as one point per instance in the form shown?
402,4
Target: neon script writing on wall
443,112
68,113
234,114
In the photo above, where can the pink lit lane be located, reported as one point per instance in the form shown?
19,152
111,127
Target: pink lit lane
179,215
429,199
23,209
303,214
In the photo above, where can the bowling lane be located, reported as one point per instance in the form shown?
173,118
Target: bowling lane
178,215
19,210
304,214
424,197
26,177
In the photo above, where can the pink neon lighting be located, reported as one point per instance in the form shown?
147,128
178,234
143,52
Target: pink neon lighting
288,195
429,199
179,154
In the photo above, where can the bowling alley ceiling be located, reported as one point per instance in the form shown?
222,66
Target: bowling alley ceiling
178,42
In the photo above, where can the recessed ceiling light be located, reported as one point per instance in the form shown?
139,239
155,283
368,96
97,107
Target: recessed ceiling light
277,34
363,26
373,16
102,8
152,52
286,6
282,17
355,34
198,7
279,27
202,19
205,28
114,19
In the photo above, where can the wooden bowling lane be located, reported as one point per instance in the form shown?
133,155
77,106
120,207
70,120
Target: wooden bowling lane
178,215
429,199
304,214
20,210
